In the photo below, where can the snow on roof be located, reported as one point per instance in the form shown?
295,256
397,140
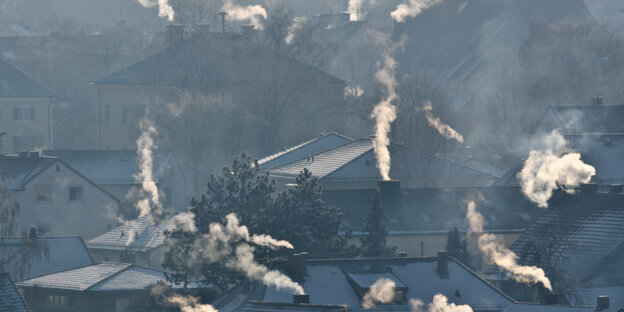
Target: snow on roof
10,298
303,150
143,233
14,83
106,276
588,295
366,280
254,306
109,166
530,307
326,283
54,254
590,119
16,171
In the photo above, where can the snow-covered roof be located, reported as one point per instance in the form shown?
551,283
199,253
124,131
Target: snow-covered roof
50,255
255,306
326,283
142,234
106,276
10,297
16,171
530,307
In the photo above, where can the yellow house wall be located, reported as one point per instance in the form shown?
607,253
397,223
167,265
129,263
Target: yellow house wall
40,126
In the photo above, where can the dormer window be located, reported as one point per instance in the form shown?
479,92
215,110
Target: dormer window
362,282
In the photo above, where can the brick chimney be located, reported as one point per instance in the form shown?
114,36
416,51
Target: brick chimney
443,264
551,299
296,265
175,33
301,299
390,196
602,303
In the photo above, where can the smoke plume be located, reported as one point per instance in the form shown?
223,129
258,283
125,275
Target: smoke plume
551,167
353,8
145,154
229,245
384,114
439,304
411,8
382,291
442,128
164,9
249,13
190,304
494,250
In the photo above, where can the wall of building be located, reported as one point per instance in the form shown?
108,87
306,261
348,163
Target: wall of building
45,300
36,130
152,259
90,215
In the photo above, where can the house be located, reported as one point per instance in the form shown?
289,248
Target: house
54,197
602,306
257,306
25,112
428,202
115,171
232,70
140,241
26,258
578,241
10,298
344,282
106,286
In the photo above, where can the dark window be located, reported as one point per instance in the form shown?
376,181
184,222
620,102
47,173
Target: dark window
107,114
75,193
23,113
43,229
43,194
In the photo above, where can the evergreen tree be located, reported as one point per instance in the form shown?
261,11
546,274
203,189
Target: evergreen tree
457,247
374,243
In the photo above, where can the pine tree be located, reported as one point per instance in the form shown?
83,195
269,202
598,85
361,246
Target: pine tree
457,247
374,243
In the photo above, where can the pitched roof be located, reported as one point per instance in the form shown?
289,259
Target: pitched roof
356,161
214,61
143,234
578,234
109,166
530,307
10,297
313,147
14,83
49,255
255,306
326,283
588,295
16,171
590,119
106,276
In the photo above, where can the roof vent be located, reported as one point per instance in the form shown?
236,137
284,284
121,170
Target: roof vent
602,302
597,100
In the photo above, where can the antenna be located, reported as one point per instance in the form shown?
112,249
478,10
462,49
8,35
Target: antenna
223,15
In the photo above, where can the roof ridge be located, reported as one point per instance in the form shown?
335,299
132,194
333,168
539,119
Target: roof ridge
126,266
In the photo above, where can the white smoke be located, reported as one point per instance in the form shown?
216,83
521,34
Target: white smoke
185,221
550,167
384,114
190,304
251,13
145,154
164,9
439,304
229,245
354,9
298,22
442,128
382,291
411,8
494,250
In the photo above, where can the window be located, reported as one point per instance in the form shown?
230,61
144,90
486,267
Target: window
107,114
75,193
43,194
124,114
43,229
56,300
23,113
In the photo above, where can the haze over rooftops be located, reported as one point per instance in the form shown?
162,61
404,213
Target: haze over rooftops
590,119
14,83
16,171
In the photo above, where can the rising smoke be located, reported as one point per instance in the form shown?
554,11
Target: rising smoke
250,13
354,9
145,154
494,250
382,291
552,166
411,8
229,245
164,9
190,304
439,304
442,128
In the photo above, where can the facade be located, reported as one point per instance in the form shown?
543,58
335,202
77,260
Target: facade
140,241
25,112
55,198
344,282
99,287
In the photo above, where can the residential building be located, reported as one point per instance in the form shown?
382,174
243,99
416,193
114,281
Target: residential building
10,298
345,281
25,112
102,287
25,258
602,306
115,171
140,241
55,198
255,306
